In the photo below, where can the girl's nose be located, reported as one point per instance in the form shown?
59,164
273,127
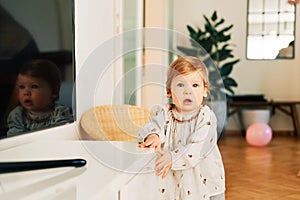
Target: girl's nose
27,92
187,90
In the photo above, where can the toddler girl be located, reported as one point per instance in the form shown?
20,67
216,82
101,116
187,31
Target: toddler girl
185,136
38,85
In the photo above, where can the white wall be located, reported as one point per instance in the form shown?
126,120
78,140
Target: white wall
156,16
94,27
276,79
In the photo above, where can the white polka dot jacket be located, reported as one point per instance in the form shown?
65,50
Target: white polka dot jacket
197,170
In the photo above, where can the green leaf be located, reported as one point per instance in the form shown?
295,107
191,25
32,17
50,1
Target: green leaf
207,45
226,69
214,16
193,33
226,28
230,82
224,38
220,22
225,46
225,54
200,33
191,30
209,28
208,22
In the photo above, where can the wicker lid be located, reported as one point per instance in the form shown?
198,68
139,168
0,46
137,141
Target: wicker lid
114,122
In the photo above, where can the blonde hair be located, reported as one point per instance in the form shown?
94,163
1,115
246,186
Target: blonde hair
183,66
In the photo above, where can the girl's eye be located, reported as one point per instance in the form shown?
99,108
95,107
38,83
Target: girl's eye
34,86
195,85
180,85
21,87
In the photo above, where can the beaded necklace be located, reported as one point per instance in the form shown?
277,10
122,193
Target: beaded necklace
39,118
172,116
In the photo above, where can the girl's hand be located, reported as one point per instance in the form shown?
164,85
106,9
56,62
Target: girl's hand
152,141
163,164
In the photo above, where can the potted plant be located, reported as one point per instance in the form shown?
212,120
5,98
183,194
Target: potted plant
215,40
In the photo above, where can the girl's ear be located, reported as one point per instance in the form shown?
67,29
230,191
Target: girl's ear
205,91
54,96
169,94
55,93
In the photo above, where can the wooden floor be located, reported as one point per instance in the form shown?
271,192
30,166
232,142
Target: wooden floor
261,173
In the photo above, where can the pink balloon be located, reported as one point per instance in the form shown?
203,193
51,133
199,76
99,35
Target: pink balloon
259,134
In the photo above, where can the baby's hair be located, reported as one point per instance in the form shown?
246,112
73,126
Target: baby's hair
183,66
45,70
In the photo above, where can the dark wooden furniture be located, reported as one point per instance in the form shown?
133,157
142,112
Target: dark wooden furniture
287,107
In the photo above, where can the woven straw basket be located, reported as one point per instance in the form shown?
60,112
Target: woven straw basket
114,122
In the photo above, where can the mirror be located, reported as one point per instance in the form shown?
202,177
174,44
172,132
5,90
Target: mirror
270,29
34,29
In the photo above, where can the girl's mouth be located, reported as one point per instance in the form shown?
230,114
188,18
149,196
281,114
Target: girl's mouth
187,101
27,102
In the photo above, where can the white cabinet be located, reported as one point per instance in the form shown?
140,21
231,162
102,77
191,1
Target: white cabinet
112,171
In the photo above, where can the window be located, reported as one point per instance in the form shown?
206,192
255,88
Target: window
50,23
271,29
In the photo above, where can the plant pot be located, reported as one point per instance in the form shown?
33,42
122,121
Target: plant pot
251,116
220,110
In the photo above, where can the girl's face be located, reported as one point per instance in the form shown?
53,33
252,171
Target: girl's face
187,92
35,94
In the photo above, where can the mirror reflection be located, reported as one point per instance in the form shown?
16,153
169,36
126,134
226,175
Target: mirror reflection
36,36
270,29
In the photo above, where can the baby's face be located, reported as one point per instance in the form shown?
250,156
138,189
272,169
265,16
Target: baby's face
187,92
35,94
